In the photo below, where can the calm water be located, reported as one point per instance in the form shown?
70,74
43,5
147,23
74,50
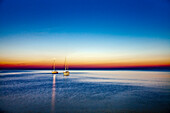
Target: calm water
84,91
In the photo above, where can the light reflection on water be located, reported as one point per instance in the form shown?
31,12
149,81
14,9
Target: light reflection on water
84,91
140,78
53,96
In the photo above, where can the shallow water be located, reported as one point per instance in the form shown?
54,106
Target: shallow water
37,91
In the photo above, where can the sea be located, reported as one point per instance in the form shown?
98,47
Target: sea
84,91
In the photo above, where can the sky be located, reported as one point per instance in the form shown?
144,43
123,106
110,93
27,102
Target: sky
89,33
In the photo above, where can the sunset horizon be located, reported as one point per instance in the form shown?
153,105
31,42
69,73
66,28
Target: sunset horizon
84,56
91,34
87,66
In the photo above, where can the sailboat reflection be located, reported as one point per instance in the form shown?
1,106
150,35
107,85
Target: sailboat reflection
53,96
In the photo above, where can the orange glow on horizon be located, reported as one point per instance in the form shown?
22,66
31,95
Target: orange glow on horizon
85,62
48,65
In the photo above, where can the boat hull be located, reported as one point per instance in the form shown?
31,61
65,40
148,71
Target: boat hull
66,73
54,72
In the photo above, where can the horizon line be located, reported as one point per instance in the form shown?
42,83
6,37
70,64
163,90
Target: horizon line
166,68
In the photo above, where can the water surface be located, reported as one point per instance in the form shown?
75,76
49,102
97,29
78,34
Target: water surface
30,91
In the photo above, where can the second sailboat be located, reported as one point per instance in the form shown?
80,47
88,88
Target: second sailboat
66,73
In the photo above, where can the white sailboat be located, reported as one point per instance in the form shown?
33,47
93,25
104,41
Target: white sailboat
66,73
54,71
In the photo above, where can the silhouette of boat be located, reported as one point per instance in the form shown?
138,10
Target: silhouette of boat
66,73
54,71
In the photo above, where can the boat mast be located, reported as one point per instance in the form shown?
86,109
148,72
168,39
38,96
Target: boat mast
65,64
54,65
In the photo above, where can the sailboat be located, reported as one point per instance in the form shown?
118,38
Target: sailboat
54,71
66,73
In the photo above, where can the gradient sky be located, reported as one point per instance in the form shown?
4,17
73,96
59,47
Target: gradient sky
90,33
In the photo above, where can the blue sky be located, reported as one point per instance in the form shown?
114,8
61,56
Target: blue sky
128,28
148,18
